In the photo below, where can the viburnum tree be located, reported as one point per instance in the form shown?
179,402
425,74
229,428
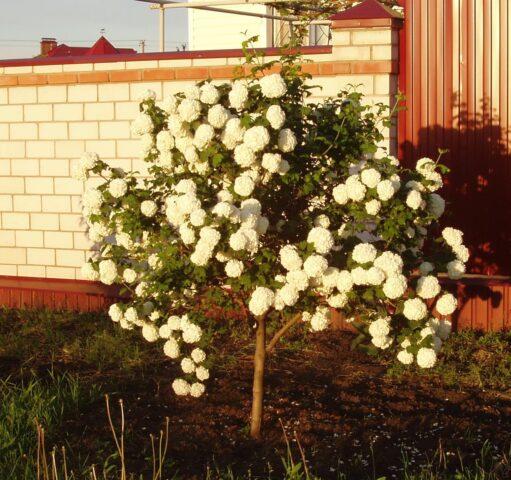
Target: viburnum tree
259,198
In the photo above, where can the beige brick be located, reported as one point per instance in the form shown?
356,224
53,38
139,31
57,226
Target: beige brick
13,256
25,167
23,131
68,111
82,241
99,111
11,149
40,149
83,131
78,67
136,89
126,110
82,93
38,113
104,148
340,37
44,221
22,69
52,94
110,66
11,113
207,62
43,185
56,203
29,238
72,223
76,204
53,131
178,62
7,238
27,203
124,163
58,239
9,270
68,186
116,92
15,221
40,256
332,85
352,53
384,52
3,96
141,167
128,148
61,272
23,95
31,271
47,68
4,131
371,37
384,84
141,64
69,148
12,185
120,129
70,258
5,203
54,168
5,167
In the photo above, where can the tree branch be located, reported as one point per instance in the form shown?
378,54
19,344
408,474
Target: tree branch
280,333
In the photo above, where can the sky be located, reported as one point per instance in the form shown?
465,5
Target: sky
79,23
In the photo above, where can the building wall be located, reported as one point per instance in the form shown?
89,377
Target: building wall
51,113
213,30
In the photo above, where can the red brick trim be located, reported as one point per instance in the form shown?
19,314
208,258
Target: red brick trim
189,73
137,57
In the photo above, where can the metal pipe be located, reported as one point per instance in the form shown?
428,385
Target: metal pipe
162,28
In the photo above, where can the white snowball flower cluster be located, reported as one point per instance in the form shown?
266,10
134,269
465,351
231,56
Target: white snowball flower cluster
273,86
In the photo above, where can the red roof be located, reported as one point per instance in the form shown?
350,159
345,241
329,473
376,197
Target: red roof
101,47
366,9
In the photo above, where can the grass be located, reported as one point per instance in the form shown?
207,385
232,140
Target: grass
40,399
470,359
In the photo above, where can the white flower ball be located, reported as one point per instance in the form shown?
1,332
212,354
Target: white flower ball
370,177
260,301
452,236
150,332
359,276
202,373
395,286
373,207
107,272
340,194
315,266
382,342
426,267
446,304
271,162
209,94
273,86
129,275
192,92
298,278
189,110
344,281
131,315
169,104
238,95
385,190
375,276
414,199
355,189
462,253
218,116
428,287
192,333
171,348
244,156
455,269
276,116
165,141
115,312
234,268
289,294
88,272
118,188
256,138
426,357
322,239
198,355
338,300
405,357
364,253
203,135
141,125
287,140
181,387
289,258
197,389
415,309
391,263
198,217
320,320
244,185
148,208
187,365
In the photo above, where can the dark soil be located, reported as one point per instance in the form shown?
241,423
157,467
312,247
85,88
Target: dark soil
339,405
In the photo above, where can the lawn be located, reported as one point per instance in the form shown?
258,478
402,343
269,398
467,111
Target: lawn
332,413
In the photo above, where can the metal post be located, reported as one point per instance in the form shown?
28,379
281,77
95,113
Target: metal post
162,28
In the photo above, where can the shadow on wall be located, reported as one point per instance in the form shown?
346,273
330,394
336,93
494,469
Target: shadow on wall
478,189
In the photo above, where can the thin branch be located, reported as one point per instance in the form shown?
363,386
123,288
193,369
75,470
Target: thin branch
280,333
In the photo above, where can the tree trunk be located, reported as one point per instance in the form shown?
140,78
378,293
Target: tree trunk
258,384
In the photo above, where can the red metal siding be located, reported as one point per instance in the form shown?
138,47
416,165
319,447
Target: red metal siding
455,72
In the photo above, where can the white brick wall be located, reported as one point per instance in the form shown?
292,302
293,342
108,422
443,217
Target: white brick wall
44,129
